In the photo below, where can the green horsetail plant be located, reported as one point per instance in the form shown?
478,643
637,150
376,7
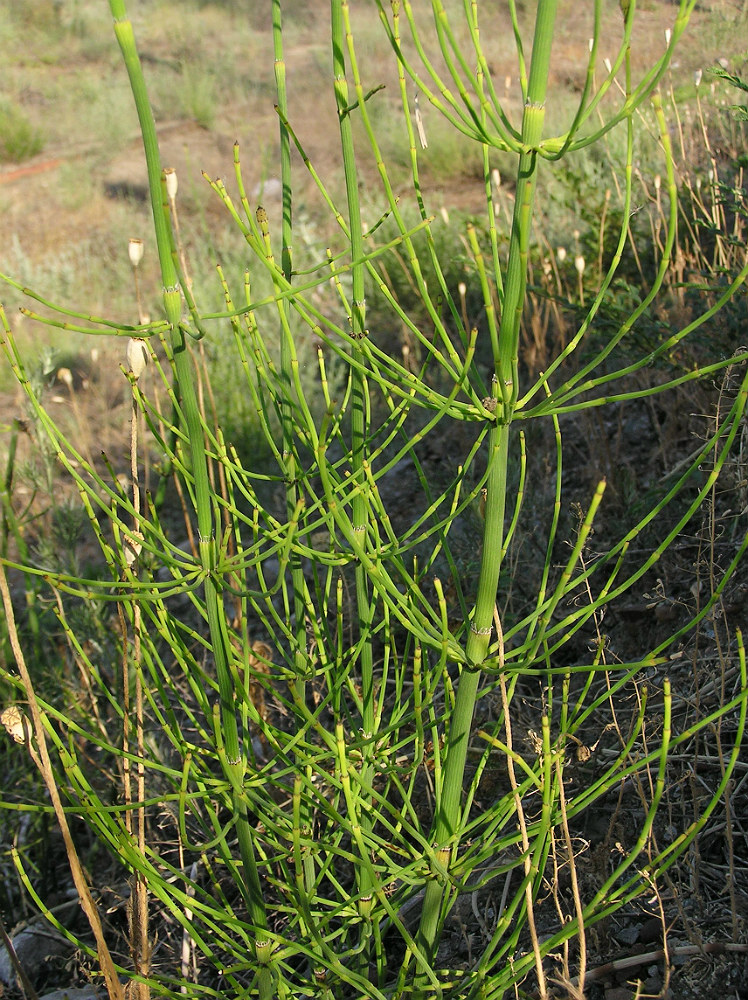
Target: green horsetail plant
505,386
232,758
360,430
347,725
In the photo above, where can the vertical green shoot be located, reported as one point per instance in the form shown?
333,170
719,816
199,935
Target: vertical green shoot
233,759
359,412
446,833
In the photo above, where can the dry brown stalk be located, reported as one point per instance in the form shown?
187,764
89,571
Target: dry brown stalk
42,761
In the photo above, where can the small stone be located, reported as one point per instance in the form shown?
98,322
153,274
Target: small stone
33,946
627,935
653,983
618,993
74,993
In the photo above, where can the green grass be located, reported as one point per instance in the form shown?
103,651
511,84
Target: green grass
19,139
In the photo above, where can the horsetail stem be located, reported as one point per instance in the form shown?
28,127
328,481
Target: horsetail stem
360,404
446,827
233,759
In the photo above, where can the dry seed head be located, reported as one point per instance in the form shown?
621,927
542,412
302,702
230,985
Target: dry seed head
608,65
16,723
657,182
170,176
133,547
135,250
591,43
419,125
496,178
137,356
462,289
697,78
65,376
579,263
444,214
668,36
561,254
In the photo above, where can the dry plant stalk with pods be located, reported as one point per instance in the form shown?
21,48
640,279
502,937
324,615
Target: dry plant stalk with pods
348,731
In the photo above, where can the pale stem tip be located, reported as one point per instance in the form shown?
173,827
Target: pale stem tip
170,176
135,250
137,356
133,547
579,264
419,125
16,723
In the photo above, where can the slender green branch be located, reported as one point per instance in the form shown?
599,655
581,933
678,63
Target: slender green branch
233,759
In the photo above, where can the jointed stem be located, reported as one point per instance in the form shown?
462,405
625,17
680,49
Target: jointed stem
359,418
448,822
232,759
